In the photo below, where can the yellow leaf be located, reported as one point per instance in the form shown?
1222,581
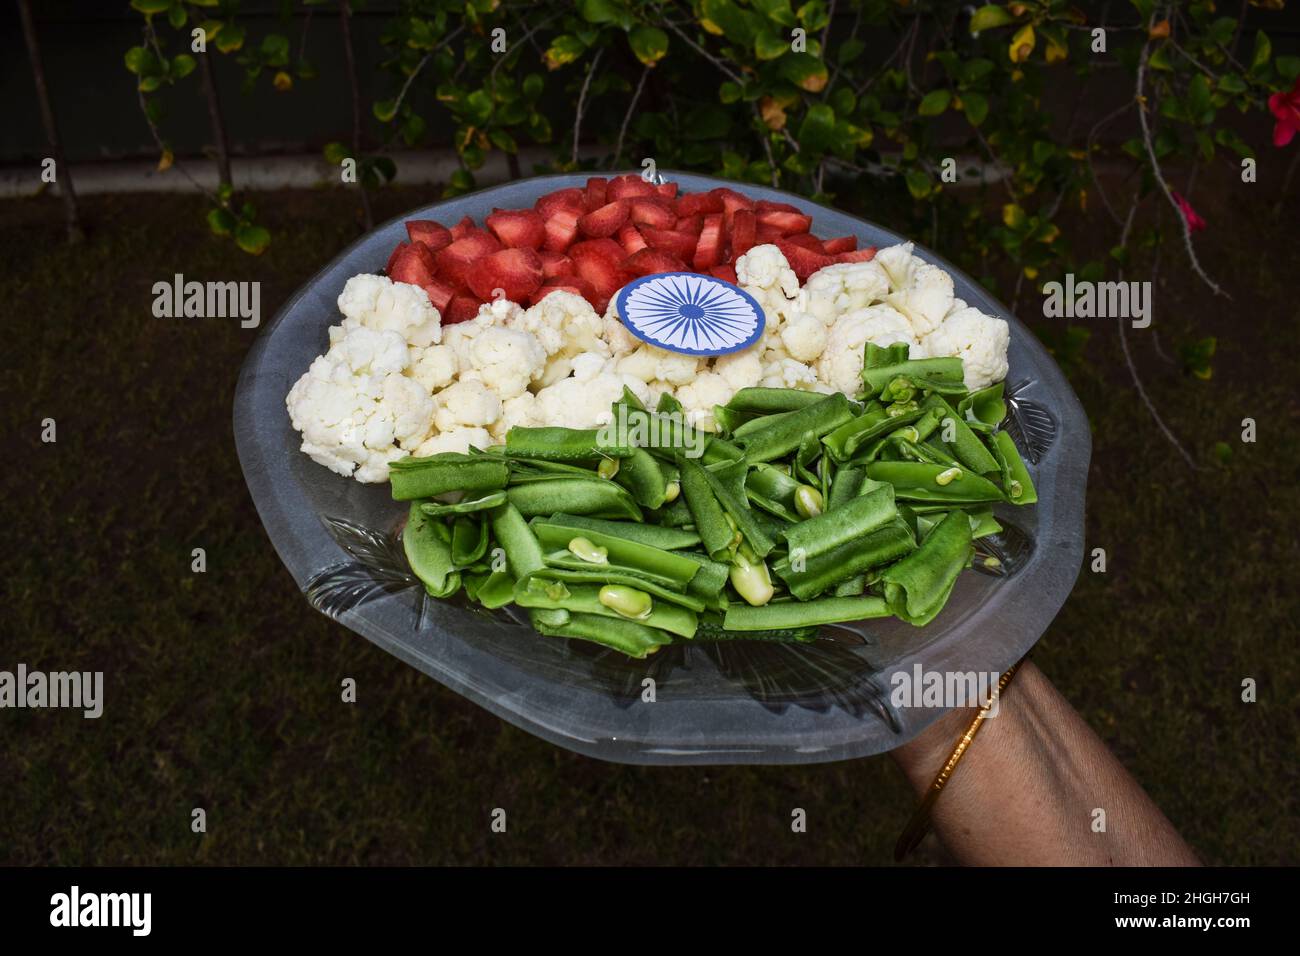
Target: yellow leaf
165,161
1051,235
711,27
1159,30
1012,215
1031,272
283,82
1022,44
1017,9
1056,52
1077,154
773,113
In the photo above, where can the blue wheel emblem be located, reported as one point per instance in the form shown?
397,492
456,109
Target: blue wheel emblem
690,313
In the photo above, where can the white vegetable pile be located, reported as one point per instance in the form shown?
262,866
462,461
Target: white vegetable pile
396,382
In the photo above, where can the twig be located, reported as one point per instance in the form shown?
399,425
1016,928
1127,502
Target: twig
627,117
1092,168
735,77
1159,177
215,119
401,95
71,214
767,146
581,108
826,30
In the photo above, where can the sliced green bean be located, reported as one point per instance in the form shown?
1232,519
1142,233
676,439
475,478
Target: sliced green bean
843,442
784,436
987,405
450,471
596,575
881,366
469,540
852,520
633,555
494,589
828,569
758,423
787,614
642,475
737,506
966,447
916,481
1015,476
585,599
848,482
435,509
706,511
657,536
600,499
710,580
427,543
770,401
523,552
631,637
917,587
565,444
674,514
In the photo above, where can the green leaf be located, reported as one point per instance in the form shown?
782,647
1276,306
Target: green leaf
478,107
335,153
778,11
275,49
150,7
1263,51
805,71
649,44
503,141
768,44
384,110
1232,83
221,222
849,51
989,17
972,71
1230,139
729,92
918,183
539,128
177,16
462,181
976,107
1159,59
813,15
149,83
843,101
737,25
817,131
563,50
183,66
1198,105
252,239
604,11
231,38
1288,67
934,103
139,60
532,86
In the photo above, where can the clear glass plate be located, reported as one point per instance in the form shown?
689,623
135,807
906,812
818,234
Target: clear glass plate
735,702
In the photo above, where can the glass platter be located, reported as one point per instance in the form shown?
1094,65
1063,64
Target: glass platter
721,703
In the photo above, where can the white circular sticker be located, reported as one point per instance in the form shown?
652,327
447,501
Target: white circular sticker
690,313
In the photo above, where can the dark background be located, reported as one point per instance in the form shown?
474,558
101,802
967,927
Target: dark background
222,689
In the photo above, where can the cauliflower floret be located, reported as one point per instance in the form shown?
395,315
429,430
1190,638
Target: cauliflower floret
650,362
468,402
505,360
788,373
804,337
844,287
699,396
434,367
979,340
898,263
583,403
765,267
741,369
501,311
840,365
379,303
564,323
353,403
456,439
588,365
615,333
520,410
926,300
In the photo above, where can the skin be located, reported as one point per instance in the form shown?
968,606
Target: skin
1024,793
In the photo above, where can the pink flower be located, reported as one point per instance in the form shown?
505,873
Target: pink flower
1194,222
1286,108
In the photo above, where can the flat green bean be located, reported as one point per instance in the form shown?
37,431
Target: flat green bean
916,481
917,587
633,555
469,540
427,544
784,436
642,475
598,575
438,474
657,536
522,550
585,599
770,401
600,499
631,637
435,509
565,444
966,447
827,610
706,511
1013,470
852,520
736,505
828,569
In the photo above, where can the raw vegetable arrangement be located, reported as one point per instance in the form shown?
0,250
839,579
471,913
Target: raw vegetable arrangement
802,510
838,469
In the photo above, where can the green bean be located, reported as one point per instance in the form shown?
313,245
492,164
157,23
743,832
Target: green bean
665,435
669,405
1014,473
438,474
631,637
828,610
522,550
710,580
829,568
593,574
843,442
674,514
851,587
851,520
737,507
714,631
848,482
769,401
494,589
966,447
427,544
758,423
629,400
633,555
643,476
728,419
469,540
915,481
669,539
818,418
750,577
585,599
601,499
436,509
706,511
565,444
987,404
882,365
917,587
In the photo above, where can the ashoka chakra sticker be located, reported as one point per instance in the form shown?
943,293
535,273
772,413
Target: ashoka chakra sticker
686,312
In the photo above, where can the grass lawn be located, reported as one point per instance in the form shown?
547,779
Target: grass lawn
223,688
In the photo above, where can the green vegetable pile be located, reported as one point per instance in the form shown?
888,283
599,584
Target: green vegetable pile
803,510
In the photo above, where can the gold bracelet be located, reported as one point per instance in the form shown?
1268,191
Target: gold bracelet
919,824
